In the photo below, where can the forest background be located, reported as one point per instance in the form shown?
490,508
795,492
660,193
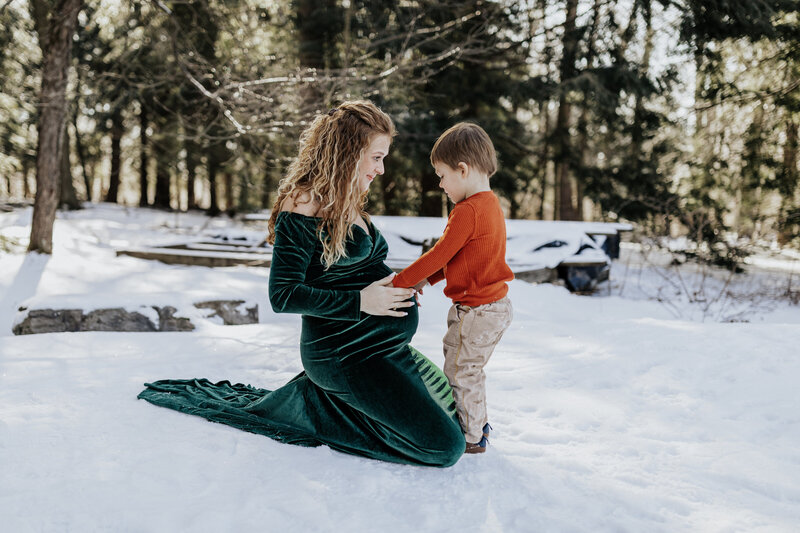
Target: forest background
680,116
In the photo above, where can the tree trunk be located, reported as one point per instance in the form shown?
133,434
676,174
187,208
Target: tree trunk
55,31
144,123
243,201
637,133
213,166
701,138
544,158
191,177
165,153
266,190
81,152
754,190
68,198
26,168
790,158
314,42
346,34
547,205
192,160
433,201
87,180
789,181
162,198
192,15
117,129
227,180
565,199
583,120
269,184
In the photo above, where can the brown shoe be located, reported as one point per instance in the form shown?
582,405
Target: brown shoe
476,448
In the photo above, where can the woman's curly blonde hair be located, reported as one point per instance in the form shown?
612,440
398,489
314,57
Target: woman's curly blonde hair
326,170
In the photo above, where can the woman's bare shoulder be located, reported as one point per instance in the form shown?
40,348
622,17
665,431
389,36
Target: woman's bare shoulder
301,203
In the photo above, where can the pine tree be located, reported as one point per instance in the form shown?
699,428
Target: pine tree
726,190
481,79
18,113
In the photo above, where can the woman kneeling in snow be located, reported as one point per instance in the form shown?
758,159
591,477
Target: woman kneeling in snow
363,390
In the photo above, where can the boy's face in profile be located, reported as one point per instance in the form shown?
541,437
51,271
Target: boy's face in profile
452,180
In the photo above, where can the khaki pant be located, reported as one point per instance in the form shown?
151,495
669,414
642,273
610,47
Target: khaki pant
472,334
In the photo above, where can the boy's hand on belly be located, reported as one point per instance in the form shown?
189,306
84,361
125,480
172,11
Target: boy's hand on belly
418,290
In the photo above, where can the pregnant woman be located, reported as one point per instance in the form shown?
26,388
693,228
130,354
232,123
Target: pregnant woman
363,390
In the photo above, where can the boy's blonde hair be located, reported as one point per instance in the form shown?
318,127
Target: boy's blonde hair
326,169
465,142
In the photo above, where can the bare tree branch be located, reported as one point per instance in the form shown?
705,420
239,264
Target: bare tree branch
751,96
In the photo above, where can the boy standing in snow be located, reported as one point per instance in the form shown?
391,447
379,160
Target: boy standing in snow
470,255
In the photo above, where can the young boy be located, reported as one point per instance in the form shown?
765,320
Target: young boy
470,255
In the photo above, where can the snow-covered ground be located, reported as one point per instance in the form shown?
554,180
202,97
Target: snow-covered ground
615,412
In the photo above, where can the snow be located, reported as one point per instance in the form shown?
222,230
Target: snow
611,413
700,293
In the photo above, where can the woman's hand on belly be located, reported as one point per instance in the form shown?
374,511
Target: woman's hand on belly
382,298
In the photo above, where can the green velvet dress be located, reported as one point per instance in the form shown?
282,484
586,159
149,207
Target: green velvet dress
363,391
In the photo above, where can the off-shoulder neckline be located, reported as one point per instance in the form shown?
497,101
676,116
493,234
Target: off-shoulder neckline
367,232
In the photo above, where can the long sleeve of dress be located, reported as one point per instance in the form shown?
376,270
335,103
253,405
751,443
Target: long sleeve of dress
288,291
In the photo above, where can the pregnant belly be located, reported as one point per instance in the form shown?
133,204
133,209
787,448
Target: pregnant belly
324,339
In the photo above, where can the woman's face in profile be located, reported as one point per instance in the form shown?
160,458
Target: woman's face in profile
371,162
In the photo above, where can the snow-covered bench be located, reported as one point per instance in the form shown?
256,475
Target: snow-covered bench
198,255
212,250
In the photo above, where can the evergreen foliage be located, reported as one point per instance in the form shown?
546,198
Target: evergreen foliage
597,111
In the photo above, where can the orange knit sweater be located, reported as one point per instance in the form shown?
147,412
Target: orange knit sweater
471,254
